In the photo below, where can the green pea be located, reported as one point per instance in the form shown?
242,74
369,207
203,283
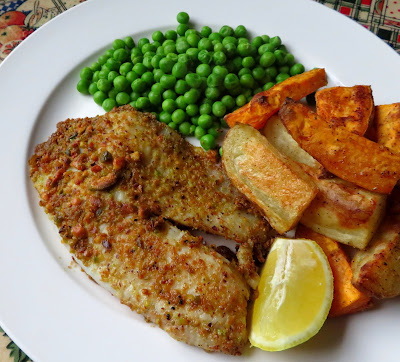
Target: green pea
133,104
158,36
173,57
134,96
169,94
181,86
205,108
267,59
138,85
102,59
158,73
112,93
118,44
284,69
121,55
104,85
192,110
219,109
125,68
179,70
157,87
182,18
229,40
171,35
218,47
265,48
181,103
148,48
205,44
170,48
143,103
192,53
154,97
120,83
122,98
139,68
231,80
168,81
248,62
199,132
212,93
129,42
160,51
178,116
108,104
226,31
205,121
213,131
173,125
245,49
257,42
243,40
135,52
191,96
165,117
297,69
265,38
241,100
205,31
96,76
192,129
247,81
193,40
147,62
214,80
99,97
109,53
215,36
219,58
289,59
203,70
193,80
168,41
184,128
86,73
220,151
208,142
138,59
142,42
95,66
282,77
272,72
92,89
241,31
148,78
181,29
230,50
276,41
169,105
220,71
112,75
166,64
237,63
228,102
280,57
258,73
195,121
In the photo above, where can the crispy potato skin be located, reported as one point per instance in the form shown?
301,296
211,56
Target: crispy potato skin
387,123
349,107
346,298
275,183
345,212
343,153
265,104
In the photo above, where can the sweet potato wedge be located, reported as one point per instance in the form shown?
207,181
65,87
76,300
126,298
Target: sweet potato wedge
349,107
276,184
345,212
265,104
343,153
346,298
277,134
387,123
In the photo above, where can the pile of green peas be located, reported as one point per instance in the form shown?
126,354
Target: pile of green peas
189,79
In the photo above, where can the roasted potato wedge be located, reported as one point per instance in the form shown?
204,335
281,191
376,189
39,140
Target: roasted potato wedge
343,153
345,212
265,104
277,134
376,270
346,298
387,123
349,107
272,181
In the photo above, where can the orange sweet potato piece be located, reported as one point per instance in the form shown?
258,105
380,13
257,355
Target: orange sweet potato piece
349,107
346,298
265,104
343,153
387,123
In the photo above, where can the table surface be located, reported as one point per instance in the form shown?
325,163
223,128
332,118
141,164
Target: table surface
20,18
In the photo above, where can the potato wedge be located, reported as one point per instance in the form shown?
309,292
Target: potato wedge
387,123
346,298
265,104
345,154
277,134
376,270
345,212
275,183
349,107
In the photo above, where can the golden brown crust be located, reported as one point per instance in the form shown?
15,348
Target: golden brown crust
349,107
345,154
169,276
387,123
272,181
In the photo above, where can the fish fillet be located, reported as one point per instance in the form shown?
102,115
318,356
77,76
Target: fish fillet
104,181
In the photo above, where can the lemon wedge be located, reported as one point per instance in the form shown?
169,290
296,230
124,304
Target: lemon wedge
295,295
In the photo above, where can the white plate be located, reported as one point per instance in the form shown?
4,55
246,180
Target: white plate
53,311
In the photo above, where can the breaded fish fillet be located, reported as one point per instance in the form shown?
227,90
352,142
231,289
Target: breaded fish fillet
103,179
